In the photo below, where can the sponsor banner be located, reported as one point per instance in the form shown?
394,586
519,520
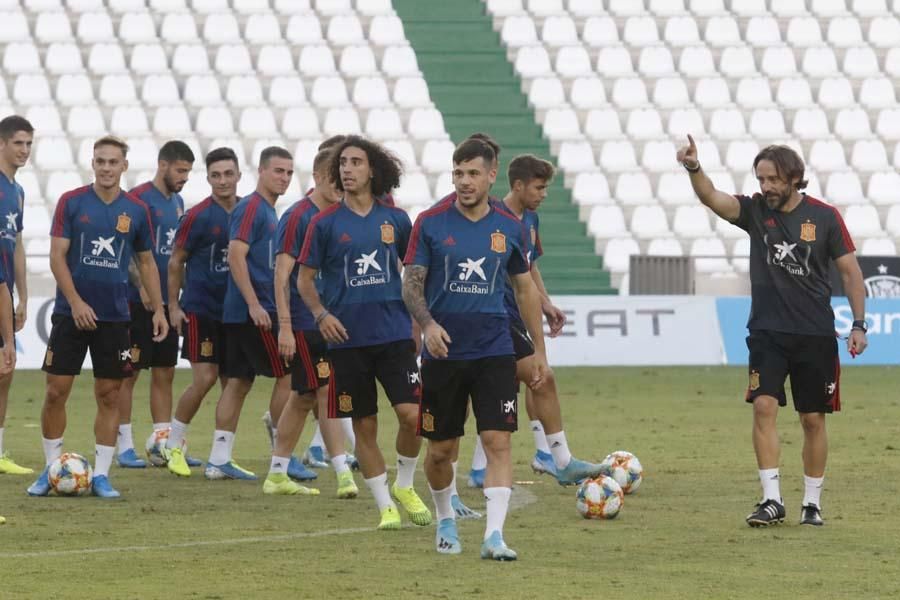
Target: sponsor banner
637,330
882,315
881,276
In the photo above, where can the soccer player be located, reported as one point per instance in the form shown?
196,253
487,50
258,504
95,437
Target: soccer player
459,257
357,245
297,331
174,163
793,239
96,230
16,136
199,266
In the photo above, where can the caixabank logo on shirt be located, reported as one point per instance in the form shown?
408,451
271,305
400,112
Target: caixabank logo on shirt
102,252
10,230
790,256
366,270
473,276
218,259
165,238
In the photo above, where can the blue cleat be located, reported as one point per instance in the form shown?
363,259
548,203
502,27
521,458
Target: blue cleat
542,463
101,487
298,472
315,457
352,461
41,486
476,478
229,470
494,548
130,460
462,511
446,540
578,470
193,462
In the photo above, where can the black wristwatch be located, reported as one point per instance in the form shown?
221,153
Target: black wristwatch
860,326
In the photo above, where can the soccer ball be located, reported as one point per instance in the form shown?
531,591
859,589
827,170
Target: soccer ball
154,447
626,469
70,475
600,498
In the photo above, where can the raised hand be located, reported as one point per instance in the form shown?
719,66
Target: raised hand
687,155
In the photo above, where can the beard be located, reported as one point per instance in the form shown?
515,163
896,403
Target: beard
777,201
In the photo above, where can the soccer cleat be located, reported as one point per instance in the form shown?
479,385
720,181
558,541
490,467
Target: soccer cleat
2,520
102,488
462,511
542,463
281,485
494,548
193,462
41,486
230,470
446,540
811,514
352,461
296,470
412,504
476,478
315,457
130,460
770,512
270,428
390,519
10,468
346,486
578,470
176,462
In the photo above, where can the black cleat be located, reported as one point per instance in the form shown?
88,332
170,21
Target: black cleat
811,514
770,512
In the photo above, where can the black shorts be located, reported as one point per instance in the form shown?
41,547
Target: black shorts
353,373
144,351
68,345
311,370
811,361
252,351
523,346
204,340
447,386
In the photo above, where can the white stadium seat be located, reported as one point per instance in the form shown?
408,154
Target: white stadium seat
257,122
633,188
384,124
614,61
804,31
738,61
303,28
437,156
844,32
21,58
640,31
666,246
670,92
559,31
171,121
819,61
852,124
683,121
778,61
329,91
861,61
576,157
426,124
214,121
544,92
505,8
740,154
372,92
794,92
658,156
374,7
94,27
869,155
85,121
404,151
179,28
262,28
884,32
202,90
710,255
696,61
15,27
275,59
316,60
591,188
399,61
286,91
190,59
618,252
573,61
386,30
722,31
532,61
878,247
691,221
561,124
233,59
629,92
748,8
106,59
844,188
545,8
127,121
148,59
656,61
644,124
607,221
117,89
892,221
883,186
649,221
712,92
862,222
60,182
221,28
877,92
586,8
753,92
767,124
600,31
53,153
300,122
603,124
836,92
358,61
74,90
827,155
345,30
137,28
681,31
52,26
587,92
810,123
45,119
63,57
762,32
674,188
727,124
616,156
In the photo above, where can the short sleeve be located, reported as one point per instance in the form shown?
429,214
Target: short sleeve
314,245
746,215
538,250
190,231
839,240
518,256
21,216
418,251
241,225
143,231
62,219
287,237
404,229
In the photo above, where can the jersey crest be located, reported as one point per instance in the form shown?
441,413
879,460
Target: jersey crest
387,233
808,232
498,242
123,224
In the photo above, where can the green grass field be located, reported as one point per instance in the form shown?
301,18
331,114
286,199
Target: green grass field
681,536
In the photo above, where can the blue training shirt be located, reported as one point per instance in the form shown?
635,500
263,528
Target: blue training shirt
359,259
531,223
12,205
253,222
292,229
164,215
469,264
203,234
104,238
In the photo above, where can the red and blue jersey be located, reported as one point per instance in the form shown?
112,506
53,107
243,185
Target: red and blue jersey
469,264
164,215
289,240
533,238
103,239
253,222
12,204
203,234
359,260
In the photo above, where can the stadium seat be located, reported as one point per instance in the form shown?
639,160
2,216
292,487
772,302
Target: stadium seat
753,92
740,154
884,32
202,90
117,89
333,7
649,221
789,8
655,61
819,61
262,28
778,61
861,61
53,153
221,28
617,254
575,157
142,155
344,30
607,222
585,8
710,255
286,91
15,27
437,156
399,61
94,27
767,124
147,59
74,90
722,31
828,8
844,32
882,188
670,92
178,28
190,59
171,121
587,93
644,124
37,225
275,59
561,124
794,92
532,61
304,28
372,92
691,221
426,124
869,8
878,247
737,61
60,182
45,119
686,120
257,122
288,7
505,8
675,188
413,190
658,156
681,31
666,246
106,59
545,8
21,57
810,123
616,156
341,120
640,31
836,92
316,60
862,222
386,30
137,28
214,121
892,62
603,124
666,7
633,188
763,32
727,124
877,92
358,61
85,121
373,8
590,189
803,32
844,188
892,221
573,61
383,124
748,8
158,90
559,31
127,121
63,57
614,61
168,5
233,59
544,93
697,61
444,184
869,155
712,92
328,92
629,92
599,31
852,124
300,122
404,151
827,155
52,26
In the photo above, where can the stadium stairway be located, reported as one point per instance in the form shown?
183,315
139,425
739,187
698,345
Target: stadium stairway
475,88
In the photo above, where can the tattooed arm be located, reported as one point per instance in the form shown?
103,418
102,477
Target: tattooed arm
436,337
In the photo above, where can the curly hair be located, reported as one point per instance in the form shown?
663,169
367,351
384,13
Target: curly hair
386,167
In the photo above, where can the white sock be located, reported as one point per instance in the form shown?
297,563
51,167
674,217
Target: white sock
540,439
771,484
52,449
349,434
221,447
158,426
442,507
559,448
497,499
125,440
279,465
177,434
339,463
378,485
406,469
103,456
454,464
1,440
317,438
479,459
813,490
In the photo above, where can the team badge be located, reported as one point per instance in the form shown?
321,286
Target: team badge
754,381
48,358
323,369
808,232
123,224
135,354
498,242
387,233
206,348
345,403
427,422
